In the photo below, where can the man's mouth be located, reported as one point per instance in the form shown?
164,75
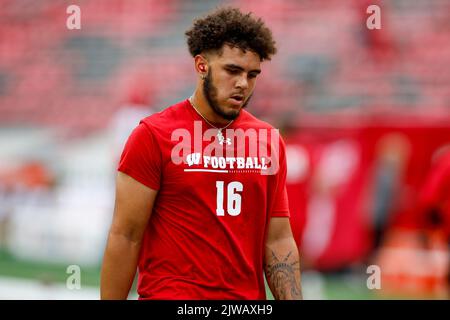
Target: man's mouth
237,99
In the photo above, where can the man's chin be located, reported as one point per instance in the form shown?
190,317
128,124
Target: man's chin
231,115
228,112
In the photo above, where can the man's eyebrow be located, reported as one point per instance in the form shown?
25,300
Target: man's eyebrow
235,66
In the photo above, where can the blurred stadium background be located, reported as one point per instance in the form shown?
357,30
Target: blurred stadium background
365,114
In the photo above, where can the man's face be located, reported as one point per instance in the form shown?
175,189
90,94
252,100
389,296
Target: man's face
230,80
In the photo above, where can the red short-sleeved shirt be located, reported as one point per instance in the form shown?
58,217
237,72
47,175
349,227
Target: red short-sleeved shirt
435,194
205,238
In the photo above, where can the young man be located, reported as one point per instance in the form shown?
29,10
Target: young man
201,204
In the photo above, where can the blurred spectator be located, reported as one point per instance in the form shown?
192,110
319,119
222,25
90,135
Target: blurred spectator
136,106
391,158
414,258
433,212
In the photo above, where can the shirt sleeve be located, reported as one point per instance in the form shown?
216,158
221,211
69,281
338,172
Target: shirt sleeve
141,157
281,204
435,187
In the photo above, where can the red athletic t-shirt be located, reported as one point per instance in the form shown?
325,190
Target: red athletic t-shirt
435,194
205,238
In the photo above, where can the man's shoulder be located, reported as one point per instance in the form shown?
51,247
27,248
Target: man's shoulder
250,121
167,118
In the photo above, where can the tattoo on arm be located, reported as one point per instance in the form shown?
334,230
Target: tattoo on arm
283,276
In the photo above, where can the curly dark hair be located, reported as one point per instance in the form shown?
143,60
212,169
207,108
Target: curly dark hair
230,26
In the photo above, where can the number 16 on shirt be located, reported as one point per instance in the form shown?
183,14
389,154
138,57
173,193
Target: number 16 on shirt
234,199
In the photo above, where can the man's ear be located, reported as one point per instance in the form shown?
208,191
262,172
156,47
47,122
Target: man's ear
201,65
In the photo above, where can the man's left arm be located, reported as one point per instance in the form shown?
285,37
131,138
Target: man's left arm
282,261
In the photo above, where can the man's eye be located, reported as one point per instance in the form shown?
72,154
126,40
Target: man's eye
233,71
252,75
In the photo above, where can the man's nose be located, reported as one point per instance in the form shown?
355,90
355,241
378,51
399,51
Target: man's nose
242,82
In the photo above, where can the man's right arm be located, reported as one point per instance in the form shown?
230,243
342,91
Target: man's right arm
133,206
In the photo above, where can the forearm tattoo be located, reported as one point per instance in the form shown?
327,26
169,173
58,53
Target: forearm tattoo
283,276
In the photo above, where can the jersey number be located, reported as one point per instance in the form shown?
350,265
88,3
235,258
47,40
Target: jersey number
234,199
